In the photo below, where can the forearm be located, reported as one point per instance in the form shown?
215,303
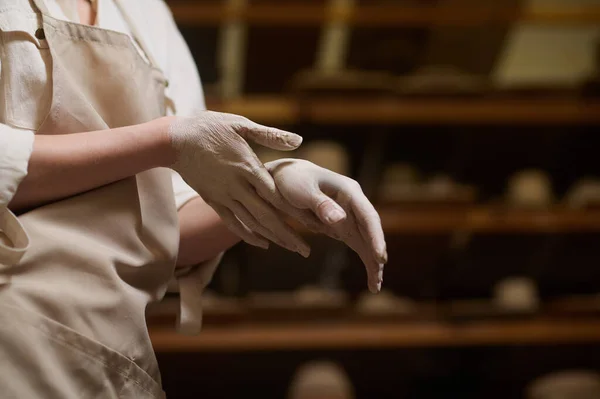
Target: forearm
203,235
64,165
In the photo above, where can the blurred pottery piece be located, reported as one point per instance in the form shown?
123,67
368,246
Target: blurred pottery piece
442,188
327,154
321,380
359,82
441,81
530,188
317,296
399,183
517,294
584,193
574,384
384,303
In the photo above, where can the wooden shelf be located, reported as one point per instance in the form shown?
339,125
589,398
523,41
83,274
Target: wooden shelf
377,336
340,111
487,220
188,13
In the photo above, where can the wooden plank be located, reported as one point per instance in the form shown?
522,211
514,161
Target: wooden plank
377,336
197,13
415,111
481,219
274,110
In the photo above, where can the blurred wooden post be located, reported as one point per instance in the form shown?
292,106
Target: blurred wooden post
333,47
232,51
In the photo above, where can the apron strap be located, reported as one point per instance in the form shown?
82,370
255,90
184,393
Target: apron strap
41,6
136,34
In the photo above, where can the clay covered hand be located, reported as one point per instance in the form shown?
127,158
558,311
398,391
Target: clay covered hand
334,205
214,158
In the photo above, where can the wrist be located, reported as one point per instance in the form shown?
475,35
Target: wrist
163,151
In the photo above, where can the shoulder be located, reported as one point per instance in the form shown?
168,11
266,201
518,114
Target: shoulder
154,13
154,21
157,28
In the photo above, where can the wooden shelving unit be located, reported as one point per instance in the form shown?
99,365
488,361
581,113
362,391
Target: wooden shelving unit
397,219
344,111
377,336
276,14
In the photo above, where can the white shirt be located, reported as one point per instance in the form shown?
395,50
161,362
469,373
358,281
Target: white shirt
30,95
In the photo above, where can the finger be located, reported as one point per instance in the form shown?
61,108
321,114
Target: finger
269,137
327,209
263,192
250,221
269,222
374,274
267,190
232,222
370,227
349,233
304,216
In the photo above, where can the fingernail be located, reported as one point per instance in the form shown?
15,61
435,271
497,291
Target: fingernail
294,140
264,245
305,252
372,285
373,288
334,215
382,254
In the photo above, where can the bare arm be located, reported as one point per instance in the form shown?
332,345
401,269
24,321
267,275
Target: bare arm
65,165
203,234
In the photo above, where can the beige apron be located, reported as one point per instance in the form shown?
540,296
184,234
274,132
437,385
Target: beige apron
72,309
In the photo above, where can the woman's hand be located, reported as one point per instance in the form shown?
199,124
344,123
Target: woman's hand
334,205
213,157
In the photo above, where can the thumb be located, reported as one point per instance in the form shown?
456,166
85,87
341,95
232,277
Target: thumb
327,209
270,137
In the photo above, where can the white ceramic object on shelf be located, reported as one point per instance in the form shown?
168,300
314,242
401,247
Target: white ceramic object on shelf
531,188
571,384
547,55
584,193
321,380
327,154
384,303
517,294
442,187
311,295
400,182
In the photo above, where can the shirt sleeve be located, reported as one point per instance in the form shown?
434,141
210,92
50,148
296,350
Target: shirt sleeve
15,149
16,146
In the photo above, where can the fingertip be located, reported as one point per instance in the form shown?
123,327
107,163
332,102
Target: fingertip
373,288
305,252
330,212
293,140
302,248
285,140
381,253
